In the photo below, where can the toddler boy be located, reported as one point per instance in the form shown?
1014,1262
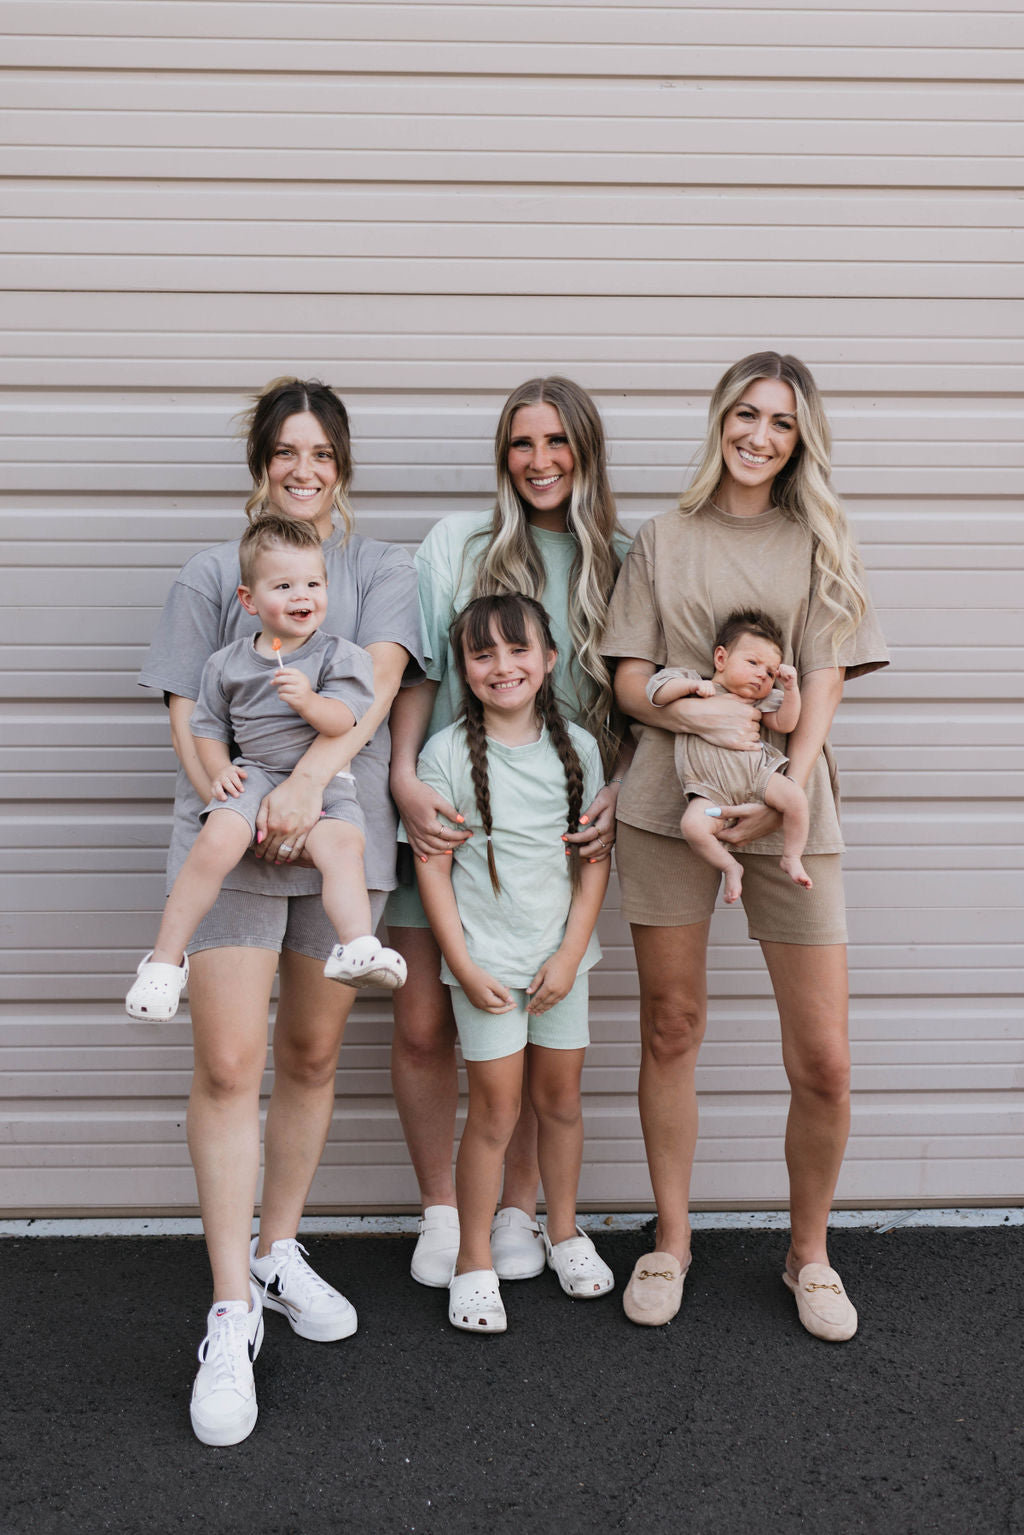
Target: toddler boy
273,712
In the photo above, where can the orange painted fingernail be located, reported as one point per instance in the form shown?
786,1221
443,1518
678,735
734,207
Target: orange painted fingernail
423,858
459,819
584,820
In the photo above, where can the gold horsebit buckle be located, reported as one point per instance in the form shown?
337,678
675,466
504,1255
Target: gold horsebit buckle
656,1274
834,1287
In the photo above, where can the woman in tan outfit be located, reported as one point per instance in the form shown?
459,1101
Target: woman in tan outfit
759,528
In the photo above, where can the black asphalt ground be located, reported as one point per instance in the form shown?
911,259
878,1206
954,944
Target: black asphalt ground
731,1421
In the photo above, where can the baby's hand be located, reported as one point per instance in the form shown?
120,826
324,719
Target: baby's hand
293,685
705,689
787,676
230,781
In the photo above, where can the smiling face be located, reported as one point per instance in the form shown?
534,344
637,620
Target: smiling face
759,434
506,675
748,667
541,464
303,472
288,595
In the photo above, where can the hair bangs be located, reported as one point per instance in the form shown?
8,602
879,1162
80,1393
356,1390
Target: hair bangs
490,618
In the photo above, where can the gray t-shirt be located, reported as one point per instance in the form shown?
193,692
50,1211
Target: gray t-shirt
371,599
238,700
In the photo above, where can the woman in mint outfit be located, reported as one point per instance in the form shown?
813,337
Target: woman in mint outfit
553,535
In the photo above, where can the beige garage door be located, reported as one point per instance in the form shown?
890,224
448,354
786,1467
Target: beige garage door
426,204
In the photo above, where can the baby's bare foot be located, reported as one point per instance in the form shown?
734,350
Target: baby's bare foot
797,873
733,884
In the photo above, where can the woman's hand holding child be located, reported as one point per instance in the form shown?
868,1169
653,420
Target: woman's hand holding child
746,823
596,836
421,808
286,816
720,720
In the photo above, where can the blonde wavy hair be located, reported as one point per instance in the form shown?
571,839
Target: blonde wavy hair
803,488
511,561
263,422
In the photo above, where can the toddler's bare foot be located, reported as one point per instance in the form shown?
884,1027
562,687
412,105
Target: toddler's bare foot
797,873
733,884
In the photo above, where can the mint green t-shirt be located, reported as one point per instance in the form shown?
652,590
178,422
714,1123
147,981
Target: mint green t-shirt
446,564
510,935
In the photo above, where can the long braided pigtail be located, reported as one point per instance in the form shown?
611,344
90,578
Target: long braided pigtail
561,740
476,741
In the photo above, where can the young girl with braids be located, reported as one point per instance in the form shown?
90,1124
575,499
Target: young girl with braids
513,910
553,534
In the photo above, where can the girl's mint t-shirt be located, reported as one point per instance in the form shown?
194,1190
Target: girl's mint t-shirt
511,934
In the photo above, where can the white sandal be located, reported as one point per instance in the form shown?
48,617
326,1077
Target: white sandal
365,962
474,1302
581,1272
155,995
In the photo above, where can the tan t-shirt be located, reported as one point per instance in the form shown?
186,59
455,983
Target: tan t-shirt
680,581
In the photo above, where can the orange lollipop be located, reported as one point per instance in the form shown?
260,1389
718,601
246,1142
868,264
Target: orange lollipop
277,651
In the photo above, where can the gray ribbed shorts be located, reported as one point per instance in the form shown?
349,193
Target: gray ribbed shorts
243,919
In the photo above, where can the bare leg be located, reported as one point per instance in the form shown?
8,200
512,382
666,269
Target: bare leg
311,1018
424,1078
555,1085
787,797
671,962
218,847
522,1172
336,848
810,984
494,1088
696,828
230,996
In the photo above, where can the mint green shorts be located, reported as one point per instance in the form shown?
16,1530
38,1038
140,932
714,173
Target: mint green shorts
404,908
491,1036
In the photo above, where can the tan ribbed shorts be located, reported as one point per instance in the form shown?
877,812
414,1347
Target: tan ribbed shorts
665,884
